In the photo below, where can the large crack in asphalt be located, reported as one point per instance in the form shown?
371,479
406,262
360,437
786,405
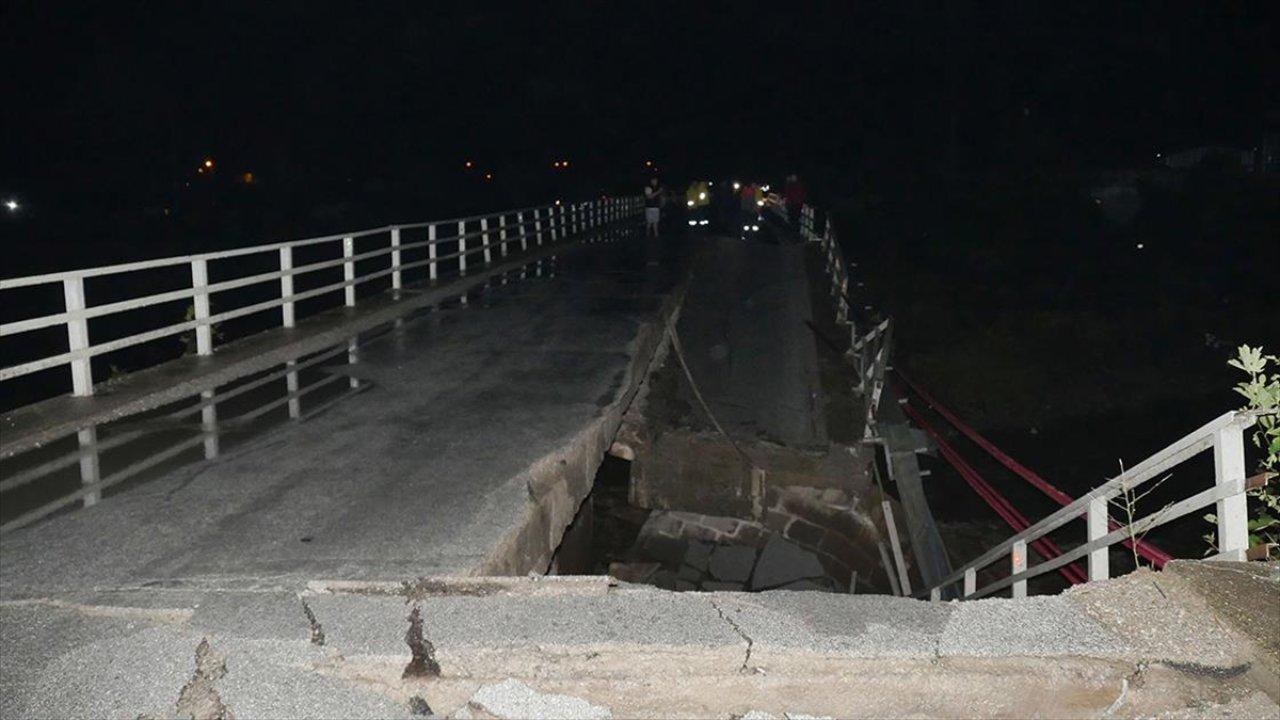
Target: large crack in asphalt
199,698
317,630
424,662
746,659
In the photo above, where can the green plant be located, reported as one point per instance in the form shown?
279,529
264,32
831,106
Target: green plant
1262,395
188,338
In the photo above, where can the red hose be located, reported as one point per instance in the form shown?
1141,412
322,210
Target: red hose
1157,556
1046,547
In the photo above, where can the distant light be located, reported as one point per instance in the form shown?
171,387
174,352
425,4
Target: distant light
702,196
557,202
709,183
693,222
746,227
1141,246
488,176
764,188
564,163
247,178
208,162
690,203
704,222
648,163
12,205
468,164
755,228
759,203
737,186
1159,155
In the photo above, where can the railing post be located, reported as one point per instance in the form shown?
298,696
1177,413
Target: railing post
502,234
200,284
904,581
1232,511
353,356
484,239
935,595
537,225
78,336
286,286
349,270
462,247
524,240
209,425
431,251
90,469
291,386
1096,520
395,258
970,582
1017,564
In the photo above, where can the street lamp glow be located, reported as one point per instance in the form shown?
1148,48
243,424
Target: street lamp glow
690,203
737,186
208,162
11,205
702,196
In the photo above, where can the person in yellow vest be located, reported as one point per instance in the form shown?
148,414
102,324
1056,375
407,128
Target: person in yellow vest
697,200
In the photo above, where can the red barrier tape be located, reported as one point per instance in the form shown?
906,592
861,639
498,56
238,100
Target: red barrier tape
1157,556
1046,547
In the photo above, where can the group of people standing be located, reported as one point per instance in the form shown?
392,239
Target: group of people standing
729,203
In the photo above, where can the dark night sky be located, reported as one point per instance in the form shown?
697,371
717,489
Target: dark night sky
113,97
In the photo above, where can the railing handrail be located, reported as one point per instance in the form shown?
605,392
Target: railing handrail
135,265
495,234
1095,502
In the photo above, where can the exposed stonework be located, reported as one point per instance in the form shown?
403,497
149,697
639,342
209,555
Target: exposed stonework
826,522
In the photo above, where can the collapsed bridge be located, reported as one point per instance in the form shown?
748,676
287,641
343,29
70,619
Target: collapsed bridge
376,501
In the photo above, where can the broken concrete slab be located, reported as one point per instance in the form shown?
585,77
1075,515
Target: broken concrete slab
504,635
698,554
512,699
782,562
732,563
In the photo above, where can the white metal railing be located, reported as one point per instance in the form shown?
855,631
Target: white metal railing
480,235
871,356
1224,436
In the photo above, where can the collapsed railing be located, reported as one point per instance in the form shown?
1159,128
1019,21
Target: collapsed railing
493,234
1224,436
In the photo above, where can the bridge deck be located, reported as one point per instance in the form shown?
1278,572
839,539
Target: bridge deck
464,415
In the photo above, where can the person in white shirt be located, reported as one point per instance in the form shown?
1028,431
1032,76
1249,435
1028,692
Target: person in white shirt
653,193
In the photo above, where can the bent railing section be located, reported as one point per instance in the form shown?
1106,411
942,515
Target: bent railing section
1224,436
452,244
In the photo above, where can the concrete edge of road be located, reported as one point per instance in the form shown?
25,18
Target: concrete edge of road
559,481
31,426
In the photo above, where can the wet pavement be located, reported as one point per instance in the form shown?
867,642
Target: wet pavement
417,461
